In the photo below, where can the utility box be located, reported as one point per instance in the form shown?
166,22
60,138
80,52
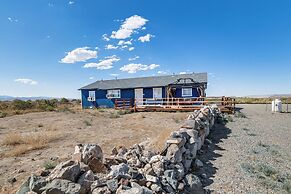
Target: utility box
277,105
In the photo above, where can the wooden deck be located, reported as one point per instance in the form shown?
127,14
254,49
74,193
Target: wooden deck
226,104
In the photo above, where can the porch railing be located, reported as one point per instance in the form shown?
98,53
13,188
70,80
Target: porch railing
226,104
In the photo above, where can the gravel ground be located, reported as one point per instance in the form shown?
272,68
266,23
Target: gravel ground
250,155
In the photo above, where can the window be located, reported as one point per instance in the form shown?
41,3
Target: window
91,96
113,94
187,92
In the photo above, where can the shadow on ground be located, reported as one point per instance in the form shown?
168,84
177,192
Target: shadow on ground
218,134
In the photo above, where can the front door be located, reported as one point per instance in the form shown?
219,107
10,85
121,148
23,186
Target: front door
157,93
138,93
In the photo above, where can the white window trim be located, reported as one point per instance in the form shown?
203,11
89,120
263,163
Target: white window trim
119,92
188,95
92,96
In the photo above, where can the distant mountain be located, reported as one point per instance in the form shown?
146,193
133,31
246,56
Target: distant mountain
10,98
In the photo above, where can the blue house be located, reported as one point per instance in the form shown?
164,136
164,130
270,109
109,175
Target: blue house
104,93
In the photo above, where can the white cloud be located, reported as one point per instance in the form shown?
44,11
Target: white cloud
134,67
105,37
163,72
107,63
71,2
79,54
122,42
128,27
114,74
110,47
26,81
131,48
12,20
183,72
91,78
146,38
133,58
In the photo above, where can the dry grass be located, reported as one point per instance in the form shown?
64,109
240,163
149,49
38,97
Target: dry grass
21,144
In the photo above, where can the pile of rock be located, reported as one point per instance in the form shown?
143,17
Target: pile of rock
136,170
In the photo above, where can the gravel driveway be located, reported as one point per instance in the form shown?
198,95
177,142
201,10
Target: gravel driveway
250,155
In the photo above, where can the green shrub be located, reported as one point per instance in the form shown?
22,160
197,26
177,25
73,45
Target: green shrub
22,105
49,165
113,116
64,101
3,114
123,112
87,123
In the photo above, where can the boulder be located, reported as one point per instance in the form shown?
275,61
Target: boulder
193,184
198,163
117,170
86,180
170,176
68,170
101,190
60,186
36,183
112,184
86,152
97,166
174,154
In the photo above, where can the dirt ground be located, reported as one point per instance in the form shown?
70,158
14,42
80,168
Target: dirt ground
88,126
247,155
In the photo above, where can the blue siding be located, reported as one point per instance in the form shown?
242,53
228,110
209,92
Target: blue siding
179,93
127,93
102,101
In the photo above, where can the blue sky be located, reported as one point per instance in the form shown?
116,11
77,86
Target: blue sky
54,47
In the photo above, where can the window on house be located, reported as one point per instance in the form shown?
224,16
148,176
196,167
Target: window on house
113,93
92,95
186,92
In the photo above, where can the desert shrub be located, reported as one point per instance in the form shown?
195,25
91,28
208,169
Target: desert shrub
287,186
261,144
66,109
46,105
49,165
123,112
245,129
177,120
239,114
247,167
101,109
252,134
114,116
3,114
40,125
87,123
64,101
12,139
25,143
22,105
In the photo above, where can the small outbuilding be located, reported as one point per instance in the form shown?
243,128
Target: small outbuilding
105,93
